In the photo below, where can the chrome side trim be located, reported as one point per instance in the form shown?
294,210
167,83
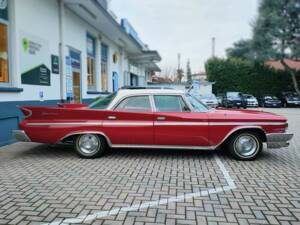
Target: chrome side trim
238,129
20,135
181,123
67,124
125,124
165,147
87,132
245,123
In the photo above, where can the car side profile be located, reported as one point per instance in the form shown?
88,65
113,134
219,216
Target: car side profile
148,118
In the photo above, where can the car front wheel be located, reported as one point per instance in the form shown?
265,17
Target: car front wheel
89,145
245,145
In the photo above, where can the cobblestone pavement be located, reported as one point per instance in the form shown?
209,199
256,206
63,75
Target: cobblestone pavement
42,184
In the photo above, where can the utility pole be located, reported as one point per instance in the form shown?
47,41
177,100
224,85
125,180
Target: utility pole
213,47
179,59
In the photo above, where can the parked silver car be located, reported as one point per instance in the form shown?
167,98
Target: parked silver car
210,100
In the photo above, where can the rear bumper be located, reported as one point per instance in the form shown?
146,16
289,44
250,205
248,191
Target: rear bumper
278,140
20,135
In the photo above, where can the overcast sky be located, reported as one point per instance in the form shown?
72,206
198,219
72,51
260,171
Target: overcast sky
187,26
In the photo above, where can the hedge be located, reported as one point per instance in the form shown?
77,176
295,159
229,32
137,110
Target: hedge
234,74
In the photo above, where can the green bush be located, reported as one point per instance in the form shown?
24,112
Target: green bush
234,74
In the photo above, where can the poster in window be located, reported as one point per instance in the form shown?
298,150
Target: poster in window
3,9
35,60
55,64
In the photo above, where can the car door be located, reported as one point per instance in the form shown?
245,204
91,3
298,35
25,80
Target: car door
175,124
130,122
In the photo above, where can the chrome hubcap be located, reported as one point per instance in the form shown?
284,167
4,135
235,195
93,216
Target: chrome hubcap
88,143
246,145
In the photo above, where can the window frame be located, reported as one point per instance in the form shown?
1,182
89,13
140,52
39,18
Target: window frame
177,95
94,58
9,49
132,96
106,63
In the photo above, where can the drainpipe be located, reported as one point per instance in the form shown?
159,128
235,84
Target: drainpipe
62,49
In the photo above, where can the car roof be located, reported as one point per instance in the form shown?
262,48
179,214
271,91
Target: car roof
124,92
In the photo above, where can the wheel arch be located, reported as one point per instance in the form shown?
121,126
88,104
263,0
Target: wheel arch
72,135
259,130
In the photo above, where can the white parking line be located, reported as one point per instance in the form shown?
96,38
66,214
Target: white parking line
101,214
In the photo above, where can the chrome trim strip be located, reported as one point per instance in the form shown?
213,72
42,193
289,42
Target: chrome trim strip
126,124
181,123
67,124
87,132
165,147
245,123
235,130
20,135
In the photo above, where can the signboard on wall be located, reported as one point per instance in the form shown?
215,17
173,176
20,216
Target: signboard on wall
55,64
69,78
4,9
35,60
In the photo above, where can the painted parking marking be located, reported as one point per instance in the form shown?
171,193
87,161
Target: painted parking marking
101,214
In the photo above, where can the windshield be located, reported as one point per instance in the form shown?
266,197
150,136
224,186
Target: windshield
102,102
197,105
208,97
233,95
271,98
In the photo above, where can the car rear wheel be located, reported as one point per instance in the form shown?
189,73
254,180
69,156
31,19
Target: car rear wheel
245,145
90,145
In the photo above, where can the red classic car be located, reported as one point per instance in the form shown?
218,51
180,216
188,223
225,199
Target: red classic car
152,118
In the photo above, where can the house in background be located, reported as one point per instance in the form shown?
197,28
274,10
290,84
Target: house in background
65,51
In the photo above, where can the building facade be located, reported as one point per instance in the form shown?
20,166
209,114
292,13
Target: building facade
65,51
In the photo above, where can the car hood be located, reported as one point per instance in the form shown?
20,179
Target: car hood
244,115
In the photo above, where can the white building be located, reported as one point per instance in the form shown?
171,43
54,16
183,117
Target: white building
65,51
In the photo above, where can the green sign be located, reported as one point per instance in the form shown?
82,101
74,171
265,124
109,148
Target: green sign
39,75
3,9
55,64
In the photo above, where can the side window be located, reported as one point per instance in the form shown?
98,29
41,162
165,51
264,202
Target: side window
135,104
170,103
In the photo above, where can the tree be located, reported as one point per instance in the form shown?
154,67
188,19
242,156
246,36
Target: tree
276,33
189,71
179,75
241,49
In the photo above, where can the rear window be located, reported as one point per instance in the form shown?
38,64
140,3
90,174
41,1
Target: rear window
102,102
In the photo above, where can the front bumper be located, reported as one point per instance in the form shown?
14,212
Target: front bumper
20,135
279,140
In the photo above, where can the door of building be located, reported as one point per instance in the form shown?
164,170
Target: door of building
76,75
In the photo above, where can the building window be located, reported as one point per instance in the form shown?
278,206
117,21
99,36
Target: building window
4,73
91,59
104,67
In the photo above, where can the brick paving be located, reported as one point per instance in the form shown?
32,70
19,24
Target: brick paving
42,184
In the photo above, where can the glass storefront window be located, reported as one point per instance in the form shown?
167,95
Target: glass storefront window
4,77
104,67
91,58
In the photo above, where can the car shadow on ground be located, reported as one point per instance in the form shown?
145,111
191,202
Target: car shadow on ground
67,152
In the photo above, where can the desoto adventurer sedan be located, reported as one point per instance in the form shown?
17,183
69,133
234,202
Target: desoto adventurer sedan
149,118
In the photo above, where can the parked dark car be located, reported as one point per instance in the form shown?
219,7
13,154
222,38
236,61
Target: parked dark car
234,99
290,99
270,101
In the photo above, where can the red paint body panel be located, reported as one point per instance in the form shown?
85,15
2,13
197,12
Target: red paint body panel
52,124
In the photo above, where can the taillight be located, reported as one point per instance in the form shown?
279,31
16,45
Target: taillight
27,112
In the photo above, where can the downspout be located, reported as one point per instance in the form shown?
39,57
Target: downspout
61,49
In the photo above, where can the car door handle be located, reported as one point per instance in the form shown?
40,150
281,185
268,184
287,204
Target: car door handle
160,118
111,117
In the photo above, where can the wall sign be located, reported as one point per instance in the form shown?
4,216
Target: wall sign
35,60
3,9
55,64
